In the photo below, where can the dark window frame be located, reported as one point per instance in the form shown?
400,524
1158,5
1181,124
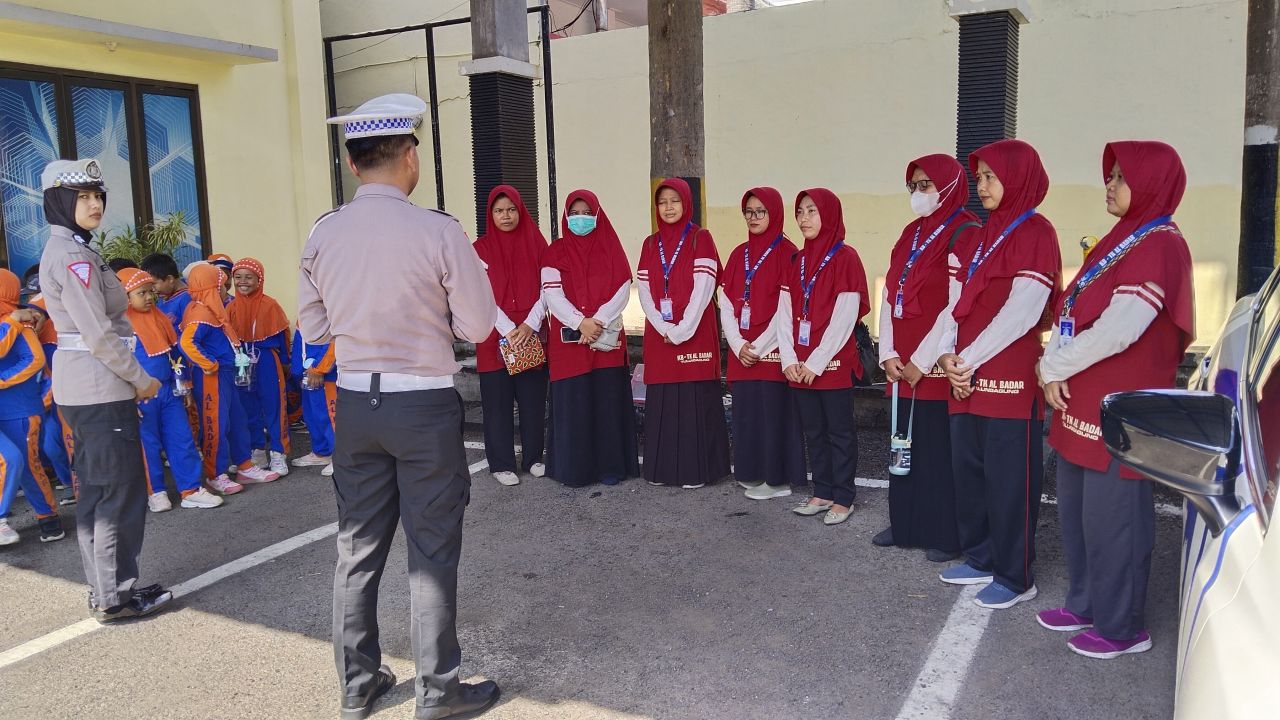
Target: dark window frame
134,88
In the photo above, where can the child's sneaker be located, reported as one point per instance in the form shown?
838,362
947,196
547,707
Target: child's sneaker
255,474
259,458
225,485
311,460
279,464
8,536
201,499
328,470
51,529
159,502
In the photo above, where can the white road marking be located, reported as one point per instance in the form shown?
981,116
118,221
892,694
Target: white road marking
222,572
933,694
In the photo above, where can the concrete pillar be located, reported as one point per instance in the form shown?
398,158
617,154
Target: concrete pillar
987,97
503,140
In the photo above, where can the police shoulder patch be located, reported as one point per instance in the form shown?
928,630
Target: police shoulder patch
82,271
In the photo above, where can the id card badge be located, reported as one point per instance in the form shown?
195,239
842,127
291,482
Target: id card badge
1066,330
668,313
805,328
897,305
744,319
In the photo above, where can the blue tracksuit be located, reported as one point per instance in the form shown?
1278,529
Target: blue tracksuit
224,431
318,405
263,401
174,307
21,408
55,436
165,427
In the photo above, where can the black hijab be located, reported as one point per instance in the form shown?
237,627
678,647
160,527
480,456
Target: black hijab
60,209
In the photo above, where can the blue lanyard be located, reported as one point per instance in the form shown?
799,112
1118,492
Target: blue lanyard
917,252
981,257
807,287
751,271
662,256
1095,271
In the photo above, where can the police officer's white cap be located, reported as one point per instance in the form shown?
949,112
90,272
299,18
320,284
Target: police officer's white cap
395,114
74,174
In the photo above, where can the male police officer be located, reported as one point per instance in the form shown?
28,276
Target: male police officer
96,384
392,284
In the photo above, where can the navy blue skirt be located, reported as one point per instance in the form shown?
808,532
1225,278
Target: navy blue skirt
768,445
592,430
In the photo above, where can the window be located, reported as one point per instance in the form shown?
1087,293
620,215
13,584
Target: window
145,135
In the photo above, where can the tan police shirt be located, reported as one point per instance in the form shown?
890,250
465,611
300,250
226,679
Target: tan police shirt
392,284
83,296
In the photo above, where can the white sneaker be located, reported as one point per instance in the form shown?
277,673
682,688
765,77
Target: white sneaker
7,534
311,460
279,464
507,478
693,487
259,458
201,499
538,470
255,474
768,492
226,485
159,502
327,471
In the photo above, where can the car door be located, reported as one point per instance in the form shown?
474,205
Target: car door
1229,635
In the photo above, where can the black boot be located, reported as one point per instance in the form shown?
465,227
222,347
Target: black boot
359,707
471,701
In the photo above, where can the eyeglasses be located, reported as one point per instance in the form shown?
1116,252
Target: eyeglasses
922,186
760,214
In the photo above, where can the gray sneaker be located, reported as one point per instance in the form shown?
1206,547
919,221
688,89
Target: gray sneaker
768,492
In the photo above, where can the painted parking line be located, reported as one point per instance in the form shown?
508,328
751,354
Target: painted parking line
200,582
933,694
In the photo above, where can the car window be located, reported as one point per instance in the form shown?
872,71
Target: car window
1265,389
1265,322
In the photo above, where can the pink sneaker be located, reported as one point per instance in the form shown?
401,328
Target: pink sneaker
1063,620
225,485
255,474
1091,644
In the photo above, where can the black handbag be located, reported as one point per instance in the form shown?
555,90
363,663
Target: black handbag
866,353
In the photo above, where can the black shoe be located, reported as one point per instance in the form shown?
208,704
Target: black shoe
361,706
940,556
51,529
144,602
471,700
884,538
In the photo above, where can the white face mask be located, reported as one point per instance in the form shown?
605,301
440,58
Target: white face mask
923,204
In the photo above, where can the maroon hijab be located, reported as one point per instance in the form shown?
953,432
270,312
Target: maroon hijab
681,280
734,278
816,250
513,257
592,266
945,172
1157,181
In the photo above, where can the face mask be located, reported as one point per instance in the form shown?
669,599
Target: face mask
581,224
923,204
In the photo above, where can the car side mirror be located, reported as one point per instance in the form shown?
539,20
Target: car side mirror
1187,440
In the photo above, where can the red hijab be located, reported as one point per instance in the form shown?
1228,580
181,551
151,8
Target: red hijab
680,282
763,303
205,286
153,328
592,266
256,316
815,250
513,257
1156,180
1025,182
948,177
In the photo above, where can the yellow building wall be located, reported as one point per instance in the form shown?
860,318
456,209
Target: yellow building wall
265,145
843,93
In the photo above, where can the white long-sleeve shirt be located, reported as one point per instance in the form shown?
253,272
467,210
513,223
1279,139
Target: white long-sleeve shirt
568,315
1131,311
943,332
767,341
504,325
844,316
704,285
1021,311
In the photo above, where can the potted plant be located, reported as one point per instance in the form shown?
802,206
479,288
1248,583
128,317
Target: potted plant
159,236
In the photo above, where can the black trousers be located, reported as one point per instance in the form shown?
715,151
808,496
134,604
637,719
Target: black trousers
112,506
1108,533
500,393
831,438
399,461
999,468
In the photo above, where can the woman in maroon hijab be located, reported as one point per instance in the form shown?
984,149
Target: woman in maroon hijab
825,296
512,253
768,447
919,286
686,442
1009,271
1123,324
586,281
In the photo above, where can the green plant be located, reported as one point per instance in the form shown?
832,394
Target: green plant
162,236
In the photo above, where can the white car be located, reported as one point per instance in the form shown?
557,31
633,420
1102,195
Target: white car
1218,444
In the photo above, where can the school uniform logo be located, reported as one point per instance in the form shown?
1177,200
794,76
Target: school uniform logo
1000,387
1086,430
688,358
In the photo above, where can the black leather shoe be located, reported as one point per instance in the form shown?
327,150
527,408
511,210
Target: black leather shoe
884,538
471,701
145,602
360,706
940,556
